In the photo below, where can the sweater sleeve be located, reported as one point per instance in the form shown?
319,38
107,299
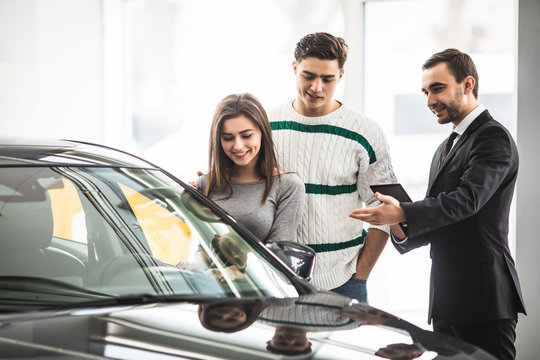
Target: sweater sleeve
290,203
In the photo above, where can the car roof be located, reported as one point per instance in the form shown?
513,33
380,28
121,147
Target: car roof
26,151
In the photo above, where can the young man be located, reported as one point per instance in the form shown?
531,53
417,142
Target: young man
475,293
338,153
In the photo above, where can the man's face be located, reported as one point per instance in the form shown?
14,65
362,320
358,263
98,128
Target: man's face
445,97
316,82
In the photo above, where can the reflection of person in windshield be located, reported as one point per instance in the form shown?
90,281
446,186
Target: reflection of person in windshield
229,316
231,254
227,247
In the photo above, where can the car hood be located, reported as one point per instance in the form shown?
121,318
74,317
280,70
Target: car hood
332,326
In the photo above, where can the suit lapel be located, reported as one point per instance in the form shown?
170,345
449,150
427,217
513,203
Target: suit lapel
437,170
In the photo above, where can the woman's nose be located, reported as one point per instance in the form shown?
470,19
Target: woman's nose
238,143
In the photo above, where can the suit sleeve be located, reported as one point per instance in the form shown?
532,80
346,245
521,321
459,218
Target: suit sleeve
409,243
486,165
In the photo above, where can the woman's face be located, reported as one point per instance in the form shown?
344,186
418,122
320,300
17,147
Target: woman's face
227,317
241,141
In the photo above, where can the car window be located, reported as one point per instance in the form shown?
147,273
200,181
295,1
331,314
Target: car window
167,233
111,232
68,214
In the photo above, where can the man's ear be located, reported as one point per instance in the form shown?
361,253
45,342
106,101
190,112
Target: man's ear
341,73
294,66
469,83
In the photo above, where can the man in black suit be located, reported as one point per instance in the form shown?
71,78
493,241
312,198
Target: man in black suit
475,293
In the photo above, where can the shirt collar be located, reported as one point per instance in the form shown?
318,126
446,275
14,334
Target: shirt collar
464,124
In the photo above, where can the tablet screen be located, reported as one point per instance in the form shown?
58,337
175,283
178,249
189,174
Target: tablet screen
394,190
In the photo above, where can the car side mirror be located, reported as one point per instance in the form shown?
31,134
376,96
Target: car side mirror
299,257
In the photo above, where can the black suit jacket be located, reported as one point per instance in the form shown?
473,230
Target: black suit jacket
465,218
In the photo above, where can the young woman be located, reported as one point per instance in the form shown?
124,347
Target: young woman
243,175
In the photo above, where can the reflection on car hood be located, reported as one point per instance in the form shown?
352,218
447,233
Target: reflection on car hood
322,325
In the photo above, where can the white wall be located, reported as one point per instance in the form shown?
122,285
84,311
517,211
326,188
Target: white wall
51,68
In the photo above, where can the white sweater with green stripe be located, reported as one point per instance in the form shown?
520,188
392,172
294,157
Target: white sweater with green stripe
337,156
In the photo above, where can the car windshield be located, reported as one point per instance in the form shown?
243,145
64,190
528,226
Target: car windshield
78,234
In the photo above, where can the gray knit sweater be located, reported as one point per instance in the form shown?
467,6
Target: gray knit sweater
337,157
277,219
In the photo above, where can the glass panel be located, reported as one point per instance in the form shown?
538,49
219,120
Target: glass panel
168,236
68,214
143,234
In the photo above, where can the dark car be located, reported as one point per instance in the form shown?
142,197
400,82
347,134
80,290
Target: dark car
106,256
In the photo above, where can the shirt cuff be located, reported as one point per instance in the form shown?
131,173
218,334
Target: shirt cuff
385,228
399,240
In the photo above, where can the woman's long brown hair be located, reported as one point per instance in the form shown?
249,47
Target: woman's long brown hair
220,166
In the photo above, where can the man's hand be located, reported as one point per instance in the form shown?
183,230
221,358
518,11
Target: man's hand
400,351
389,212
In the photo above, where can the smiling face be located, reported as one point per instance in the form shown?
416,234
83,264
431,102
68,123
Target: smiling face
241,141
226,317
448,100
316,83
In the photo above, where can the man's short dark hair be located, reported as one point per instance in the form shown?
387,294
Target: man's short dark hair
323,46
274,350
459,64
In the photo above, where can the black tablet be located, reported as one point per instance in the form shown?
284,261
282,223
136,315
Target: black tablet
394,190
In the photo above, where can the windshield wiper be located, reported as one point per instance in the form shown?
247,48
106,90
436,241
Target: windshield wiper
20,292
45,286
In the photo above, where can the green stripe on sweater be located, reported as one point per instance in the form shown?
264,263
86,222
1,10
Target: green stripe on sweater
326,129
329,189
319,248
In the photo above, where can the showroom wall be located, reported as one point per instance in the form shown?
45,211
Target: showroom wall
51,68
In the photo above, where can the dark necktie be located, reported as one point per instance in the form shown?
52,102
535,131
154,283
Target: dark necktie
448,146
449,143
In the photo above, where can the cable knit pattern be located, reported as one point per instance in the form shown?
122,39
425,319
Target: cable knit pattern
337,156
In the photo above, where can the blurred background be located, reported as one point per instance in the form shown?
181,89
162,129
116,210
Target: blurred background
145,76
